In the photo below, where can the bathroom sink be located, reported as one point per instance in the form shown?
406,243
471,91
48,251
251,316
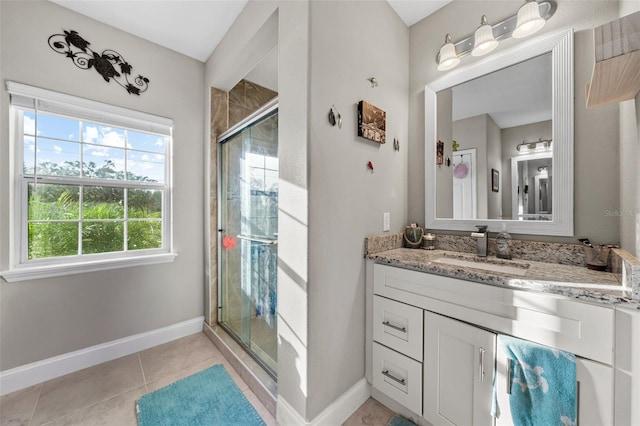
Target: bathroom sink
485,265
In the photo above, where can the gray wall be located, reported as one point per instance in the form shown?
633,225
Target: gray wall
350,42
47,317
321,297
596,130
494,161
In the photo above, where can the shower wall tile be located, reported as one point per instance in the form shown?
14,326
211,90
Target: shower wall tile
256,95
237,113
237,94
245,98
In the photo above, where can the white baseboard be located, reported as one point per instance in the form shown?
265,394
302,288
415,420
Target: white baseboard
36,372
334,414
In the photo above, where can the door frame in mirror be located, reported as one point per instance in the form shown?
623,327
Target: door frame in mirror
561,47
515,187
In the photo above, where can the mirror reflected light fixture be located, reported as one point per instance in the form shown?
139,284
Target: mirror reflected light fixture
539,145
530,18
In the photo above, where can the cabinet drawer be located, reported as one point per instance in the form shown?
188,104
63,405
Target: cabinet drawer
398,326
552,320
397,376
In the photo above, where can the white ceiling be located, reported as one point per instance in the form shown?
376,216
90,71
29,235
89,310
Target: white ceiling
191,27
195,27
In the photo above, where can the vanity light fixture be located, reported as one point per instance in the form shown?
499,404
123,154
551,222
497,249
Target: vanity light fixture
545,145
530,18
448,57
483,39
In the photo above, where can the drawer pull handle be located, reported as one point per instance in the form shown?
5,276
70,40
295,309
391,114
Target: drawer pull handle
392,377
508,374
481,378
395,327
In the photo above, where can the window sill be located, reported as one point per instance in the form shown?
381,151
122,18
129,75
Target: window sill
48,271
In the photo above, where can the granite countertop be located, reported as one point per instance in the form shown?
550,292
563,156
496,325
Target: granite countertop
587,285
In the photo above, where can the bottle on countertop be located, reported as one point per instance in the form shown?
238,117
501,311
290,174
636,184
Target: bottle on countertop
503,243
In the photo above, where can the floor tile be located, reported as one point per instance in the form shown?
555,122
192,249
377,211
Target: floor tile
196,368
117,411
66,394
176,355
17,407
262,411
371,413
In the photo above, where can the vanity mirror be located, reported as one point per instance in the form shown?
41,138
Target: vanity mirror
512,113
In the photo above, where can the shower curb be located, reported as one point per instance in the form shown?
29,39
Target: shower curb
258,380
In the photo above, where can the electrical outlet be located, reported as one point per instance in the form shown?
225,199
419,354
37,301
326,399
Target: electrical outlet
386,222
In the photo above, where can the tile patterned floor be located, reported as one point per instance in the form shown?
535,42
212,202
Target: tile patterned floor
105,394
371,413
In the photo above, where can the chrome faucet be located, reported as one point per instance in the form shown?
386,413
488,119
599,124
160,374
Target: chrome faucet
481,236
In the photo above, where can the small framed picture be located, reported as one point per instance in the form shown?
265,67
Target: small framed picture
495,180
439,152
372,122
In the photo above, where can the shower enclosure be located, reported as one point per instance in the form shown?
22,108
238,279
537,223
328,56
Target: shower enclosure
248,234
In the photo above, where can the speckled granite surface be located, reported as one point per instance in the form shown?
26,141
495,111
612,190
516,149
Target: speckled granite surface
566,276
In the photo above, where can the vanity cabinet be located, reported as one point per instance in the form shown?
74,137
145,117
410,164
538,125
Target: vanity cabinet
594,392
456,323
459,364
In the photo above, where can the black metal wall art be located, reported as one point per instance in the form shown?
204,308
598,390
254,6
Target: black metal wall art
109,63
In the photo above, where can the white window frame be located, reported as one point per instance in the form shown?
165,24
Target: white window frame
33,98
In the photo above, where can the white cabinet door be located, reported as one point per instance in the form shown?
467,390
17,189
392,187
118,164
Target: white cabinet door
459,365
595,392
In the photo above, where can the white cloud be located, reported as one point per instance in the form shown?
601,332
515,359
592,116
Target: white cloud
103,136
159,142
90,134
112,139
145,157
98,152
29,125
158,157
57,149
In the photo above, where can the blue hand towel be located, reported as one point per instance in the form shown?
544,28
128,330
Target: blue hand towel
543,383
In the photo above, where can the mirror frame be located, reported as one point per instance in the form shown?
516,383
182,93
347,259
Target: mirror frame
561,47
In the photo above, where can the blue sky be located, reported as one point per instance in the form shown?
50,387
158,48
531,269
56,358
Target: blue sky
59,140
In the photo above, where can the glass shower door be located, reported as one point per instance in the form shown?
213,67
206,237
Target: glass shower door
249,237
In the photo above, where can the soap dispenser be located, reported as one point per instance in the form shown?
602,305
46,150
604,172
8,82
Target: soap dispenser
503,243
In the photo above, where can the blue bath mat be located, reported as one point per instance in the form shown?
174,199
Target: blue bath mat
398,420
209,397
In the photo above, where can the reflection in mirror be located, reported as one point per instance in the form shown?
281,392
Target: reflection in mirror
491,114
531,187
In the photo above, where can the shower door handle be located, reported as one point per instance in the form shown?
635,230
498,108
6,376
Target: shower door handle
258,240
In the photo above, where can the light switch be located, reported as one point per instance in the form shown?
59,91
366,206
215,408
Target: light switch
386,221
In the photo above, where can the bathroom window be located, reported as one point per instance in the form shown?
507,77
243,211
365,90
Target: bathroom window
92,185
